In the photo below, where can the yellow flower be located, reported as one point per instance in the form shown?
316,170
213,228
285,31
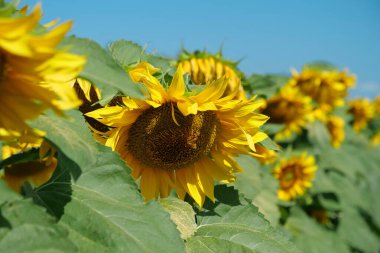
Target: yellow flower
32,72
204,68
90,96
295,176
363,111
265,156
36,172
328,88
376,105
182,141
375,140
335,126
290,108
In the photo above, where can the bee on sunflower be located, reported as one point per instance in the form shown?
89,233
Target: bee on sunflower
33,72
204,68
174,139
295,175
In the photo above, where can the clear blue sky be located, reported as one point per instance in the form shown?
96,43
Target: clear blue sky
271,36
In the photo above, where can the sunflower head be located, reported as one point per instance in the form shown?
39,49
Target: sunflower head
265,156
376,105
33,72
362,111
179,140
328,88
36,172
375,139
335,126
90,95
204,68
295,175
291,108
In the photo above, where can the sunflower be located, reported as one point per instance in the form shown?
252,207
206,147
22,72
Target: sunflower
204,68
375,139
32,72
295,176
265,156
328,88
290,108
175,140
376,105
335,126
36,172
363,111
90,96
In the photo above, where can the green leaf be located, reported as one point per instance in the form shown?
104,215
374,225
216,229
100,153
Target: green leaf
102,210
101,69
257,184
126,52
356,232
268,143
318,135
249,181
321,65
240,229
8,8
182,214
71,135
310,237
25,227
27,156
265,85
266,201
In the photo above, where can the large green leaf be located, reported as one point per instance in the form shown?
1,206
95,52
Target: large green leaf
182,214
102,210
240,229
25,227
126,52
101,68
265,85
257,184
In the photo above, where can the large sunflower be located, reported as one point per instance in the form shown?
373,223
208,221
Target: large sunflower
363,111
290,108
204,68
328,88
295,175
33,72
177,140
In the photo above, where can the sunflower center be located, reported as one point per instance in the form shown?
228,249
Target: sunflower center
289,176
156,140
2,68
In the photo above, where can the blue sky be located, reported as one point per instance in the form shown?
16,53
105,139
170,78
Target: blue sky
270,36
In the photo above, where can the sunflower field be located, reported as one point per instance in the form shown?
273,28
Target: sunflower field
115,149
